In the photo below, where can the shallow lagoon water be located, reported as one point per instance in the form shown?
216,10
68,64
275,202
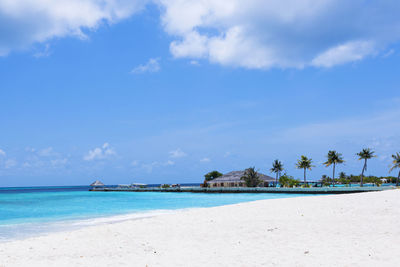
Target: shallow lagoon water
25,211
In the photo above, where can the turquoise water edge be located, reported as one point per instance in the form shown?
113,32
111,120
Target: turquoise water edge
28,211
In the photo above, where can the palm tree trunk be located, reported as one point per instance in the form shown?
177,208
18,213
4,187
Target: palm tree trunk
398,178
276,180
279,177
305,176
362,173
333,176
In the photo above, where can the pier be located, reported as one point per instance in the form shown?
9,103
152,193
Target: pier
296,190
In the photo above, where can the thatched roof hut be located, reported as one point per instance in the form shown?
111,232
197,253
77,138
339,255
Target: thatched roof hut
233,179
97,183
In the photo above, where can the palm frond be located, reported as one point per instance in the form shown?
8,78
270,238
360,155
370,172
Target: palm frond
304,163
396,161
333,157
366,153
277,166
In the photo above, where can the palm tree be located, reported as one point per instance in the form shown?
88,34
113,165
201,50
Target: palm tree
365,155
251,177
277,167
396,165
333,158
306,164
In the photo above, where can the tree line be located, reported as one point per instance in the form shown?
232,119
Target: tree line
333,159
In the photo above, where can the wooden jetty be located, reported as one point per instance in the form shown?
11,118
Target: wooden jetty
296,190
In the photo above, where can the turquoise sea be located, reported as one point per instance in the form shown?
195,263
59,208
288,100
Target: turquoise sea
32,210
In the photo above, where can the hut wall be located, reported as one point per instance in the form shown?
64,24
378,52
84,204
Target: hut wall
228,184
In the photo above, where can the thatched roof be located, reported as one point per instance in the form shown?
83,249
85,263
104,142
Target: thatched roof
97,183
235,176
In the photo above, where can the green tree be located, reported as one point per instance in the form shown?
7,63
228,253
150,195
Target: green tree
277,167
212,175
343,178
305,164
288,181
251,177
325,180
396,165
334,158
365,155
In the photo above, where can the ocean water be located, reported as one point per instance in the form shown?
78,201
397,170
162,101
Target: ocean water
35,210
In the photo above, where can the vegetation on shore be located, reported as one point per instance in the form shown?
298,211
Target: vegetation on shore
212,175
305,164
353,179
288,181
365,155
277,168
333,158
252,178
396,165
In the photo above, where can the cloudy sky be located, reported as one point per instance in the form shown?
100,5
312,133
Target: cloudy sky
167,90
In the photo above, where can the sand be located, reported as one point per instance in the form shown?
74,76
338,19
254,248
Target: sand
336,230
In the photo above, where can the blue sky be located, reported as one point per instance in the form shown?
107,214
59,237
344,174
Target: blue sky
165,91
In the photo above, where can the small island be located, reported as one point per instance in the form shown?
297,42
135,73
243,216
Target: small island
252,181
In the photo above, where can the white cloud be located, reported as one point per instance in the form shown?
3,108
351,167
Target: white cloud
204,160
194,63
94,154
389,53
2,153
169,163
385,158
252,34
377,131
43,159
10,163
58,162
193,45
102,152
135,163
152,65
294,33
46,152
150,166
44,53
227,154
178,153
26,22
352,51
30,149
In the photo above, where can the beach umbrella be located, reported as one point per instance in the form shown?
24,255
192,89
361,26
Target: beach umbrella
97,183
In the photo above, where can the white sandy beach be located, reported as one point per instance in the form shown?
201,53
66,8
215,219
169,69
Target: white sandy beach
337,230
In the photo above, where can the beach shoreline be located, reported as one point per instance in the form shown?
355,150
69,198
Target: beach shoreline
28,215
356,229
37,229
